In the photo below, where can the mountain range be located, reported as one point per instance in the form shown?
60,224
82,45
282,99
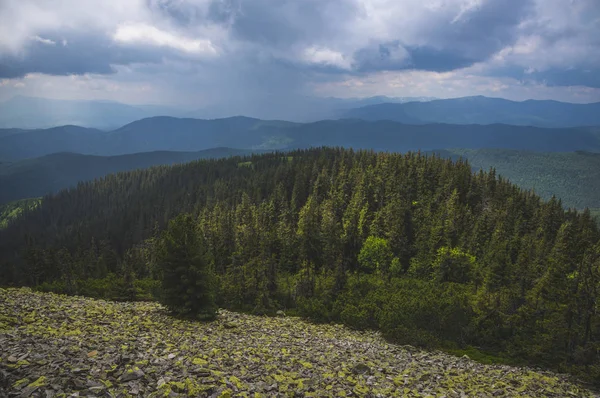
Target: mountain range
35,162
31,112
483,110
174,134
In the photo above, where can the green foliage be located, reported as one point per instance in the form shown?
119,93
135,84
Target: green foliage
415,246
359,305
426,313
187,280
9,212
375,255
453,265
313,308
111,287
396,268
596,214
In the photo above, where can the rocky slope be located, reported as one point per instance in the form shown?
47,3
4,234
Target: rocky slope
53,345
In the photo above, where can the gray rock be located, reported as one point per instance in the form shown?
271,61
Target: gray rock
361,369
230,325
132,375
28,391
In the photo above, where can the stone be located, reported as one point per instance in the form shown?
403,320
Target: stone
230,325
27,391
361,369
132,375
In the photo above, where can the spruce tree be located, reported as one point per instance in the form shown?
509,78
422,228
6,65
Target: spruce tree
187,279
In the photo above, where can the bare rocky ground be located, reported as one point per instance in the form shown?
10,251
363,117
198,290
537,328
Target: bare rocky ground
58,346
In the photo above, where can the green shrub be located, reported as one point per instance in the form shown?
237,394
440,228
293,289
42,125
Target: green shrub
314,309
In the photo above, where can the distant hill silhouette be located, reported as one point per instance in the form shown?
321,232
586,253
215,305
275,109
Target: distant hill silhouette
190,135
40,176
393,136
146,135
483,110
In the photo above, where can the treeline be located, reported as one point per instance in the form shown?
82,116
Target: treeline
416,246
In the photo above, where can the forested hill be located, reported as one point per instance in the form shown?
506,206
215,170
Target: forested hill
172,134
417,247
574,177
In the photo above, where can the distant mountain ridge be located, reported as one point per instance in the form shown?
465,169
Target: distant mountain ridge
33,112
173,134
47,174
483,110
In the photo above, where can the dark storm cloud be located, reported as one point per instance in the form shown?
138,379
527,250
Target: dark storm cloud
285,46
484,29
72,53
384,56
431,59
393,56
472,36
284,22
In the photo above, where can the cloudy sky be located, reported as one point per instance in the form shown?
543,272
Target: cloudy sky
200,52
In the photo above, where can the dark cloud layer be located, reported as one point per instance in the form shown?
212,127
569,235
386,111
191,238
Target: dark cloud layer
73,53
285,45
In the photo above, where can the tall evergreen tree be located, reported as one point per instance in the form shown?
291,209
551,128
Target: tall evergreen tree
187,278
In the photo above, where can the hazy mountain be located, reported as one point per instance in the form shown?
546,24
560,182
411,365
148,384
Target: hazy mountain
32,112
483,110
146,135
166,133
7,132
172,134
393,136
297,109
40,176
34,143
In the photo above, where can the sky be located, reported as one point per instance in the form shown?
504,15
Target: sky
196,53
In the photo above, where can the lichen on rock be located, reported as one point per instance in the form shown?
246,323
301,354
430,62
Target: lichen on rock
75,345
